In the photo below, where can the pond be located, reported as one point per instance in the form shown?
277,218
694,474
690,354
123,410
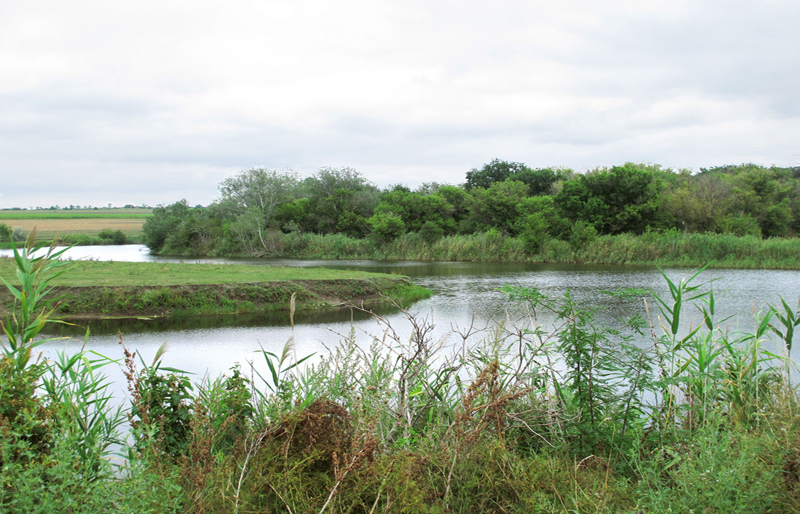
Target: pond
465,293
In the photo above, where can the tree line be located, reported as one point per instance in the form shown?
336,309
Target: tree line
508,198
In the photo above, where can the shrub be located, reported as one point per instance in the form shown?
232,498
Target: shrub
5,233
19,235
387,226
431,232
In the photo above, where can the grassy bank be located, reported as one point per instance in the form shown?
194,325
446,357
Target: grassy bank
567,416
146,289
663,249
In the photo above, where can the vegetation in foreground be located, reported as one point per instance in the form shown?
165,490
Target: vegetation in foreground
145,289
550,413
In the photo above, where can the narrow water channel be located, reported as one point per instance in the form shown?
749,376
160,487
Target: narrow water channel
464,294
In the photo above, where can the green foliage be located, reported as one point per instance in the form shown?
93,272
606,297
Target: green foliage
53,443
258,204
261,189
416,209
228,403
161,408
430,232
619,199
19,235
496,206
5,233
532,230
582,235
387,226
115,237
495,171
163,222
339,199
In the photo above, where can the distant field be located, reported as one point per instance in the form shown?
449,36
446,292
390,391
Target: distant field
46,214
87,222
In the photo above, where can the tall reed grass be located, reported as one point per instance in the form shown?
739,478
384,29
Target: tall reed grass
671,248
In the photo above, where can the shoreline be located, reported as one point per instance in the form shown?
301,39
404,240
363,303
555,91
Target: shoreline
102,290
150,302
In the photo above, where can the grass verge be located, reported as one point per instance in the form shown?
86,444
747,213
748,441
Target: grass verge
120,289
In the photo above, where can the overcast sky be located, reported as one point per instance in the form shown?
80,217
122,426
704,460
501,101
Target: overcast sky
154,101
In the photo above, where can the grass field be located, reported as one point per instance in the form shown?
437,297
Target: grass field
93,273
47,214
82,222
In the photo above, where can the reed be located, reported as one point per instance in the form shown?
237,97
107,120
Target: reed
671,248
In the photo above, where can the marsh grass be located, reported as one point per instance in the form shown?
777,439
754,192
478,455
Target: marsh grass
670,248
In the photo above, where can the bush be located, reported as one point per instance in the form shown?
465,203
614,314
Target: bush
533,231
431,232
19,235
116,237
582,235
387,226
5,233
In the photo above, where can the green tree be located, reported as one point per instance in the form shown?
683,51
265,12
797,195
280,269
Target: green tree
386,226
337,192
532,229
496,206
495,171
619,199
416,209
164,221
557,225
540,181
261,188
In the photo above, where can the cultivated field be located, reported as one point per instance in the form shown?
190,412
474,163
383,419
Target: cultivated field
88,222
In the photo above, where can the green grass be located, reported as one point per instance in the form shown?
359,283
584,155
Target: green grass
114,289
46,214
93,273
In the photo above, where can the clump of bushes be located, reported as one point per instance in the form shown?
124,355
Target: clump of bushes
116,237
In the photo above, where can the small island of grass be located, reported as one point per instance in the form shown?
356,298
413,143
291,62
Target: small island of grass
135,289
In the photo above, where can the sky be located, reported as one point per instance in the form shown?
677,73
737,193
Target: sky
150,102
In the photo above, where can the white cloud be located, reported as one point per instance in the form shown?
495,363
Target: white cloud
156,101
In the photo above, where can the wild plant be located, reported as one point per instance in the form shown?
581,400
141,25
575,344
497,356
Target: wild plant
711,371
27,419
227,402
597,376
87,418
33,309
56,422
161,406
789,319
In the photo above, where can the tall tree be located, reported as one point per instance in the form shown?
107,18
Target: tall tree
258,192
261,188
341,200
495,171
